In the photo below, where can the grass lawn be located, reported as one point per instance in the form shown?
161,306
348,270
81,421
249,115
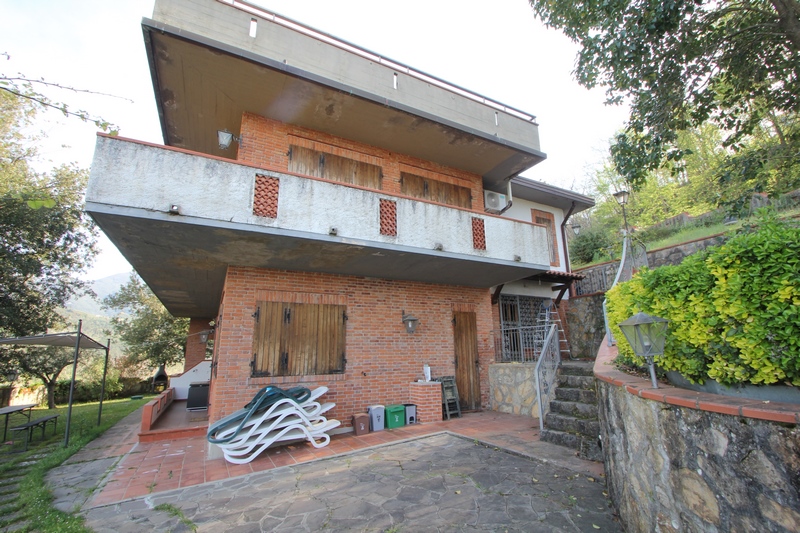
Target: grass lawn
33,503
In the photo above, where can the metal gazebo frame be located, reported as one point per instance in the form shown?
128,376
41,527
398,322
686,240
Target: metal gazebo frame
79,340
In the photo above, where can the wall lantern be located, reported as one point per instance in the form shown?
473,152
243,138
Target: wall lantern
646,335
224,137
411,322
576,229
205,334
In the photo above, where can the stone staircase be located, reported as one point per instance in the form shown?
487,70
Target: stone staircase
572,420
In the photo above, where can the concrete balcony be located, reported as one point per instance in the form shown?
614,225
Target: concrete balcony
181,218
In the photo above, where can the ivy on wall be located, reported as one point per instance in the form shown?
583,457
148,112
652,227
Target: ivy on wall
734,309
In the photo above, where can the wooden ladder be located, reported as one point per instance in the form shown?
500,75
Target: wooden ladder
450,401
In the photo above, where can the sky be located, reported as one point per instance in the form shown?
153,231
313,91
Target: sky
494,47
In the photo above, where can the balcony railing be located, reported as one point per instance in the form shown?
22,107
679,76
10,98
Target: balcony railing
521,344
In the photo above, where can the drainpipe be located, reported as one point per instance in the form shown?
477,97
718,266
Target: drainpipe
564,241
509,200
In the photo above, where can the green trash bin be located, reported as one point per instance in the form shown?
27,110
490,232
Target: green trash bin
395,416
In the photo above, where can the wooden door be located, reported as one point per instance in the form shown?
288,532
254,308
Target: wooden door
465,337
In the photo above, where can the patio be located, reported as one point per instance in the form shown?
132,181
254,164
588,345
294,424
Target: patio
151,467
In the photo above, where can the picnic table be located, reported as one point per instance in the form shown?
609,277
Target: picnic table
24,410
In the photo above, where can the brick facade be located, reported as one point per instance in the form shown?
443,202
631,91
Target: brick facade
266,143
195,350
382,359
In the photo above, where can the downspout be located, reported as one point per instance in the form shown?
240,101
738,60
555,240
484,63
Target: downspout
566,248
509,200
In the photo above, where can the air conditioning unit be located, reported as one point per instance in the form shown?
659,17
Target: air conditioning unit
494,202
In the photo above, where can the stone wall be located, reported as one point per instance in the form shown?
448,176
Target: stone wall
585,326
512,388
685,461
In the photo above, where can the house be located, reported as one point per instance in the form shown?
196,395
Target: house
356,194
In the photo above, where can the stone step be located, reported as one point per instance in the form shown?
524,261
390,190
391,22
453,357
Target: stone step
571,424
576,395
585,446
576,382
576,409
577,368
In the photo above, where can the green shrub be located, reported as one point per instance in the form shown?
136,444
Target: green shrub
734,310
589,245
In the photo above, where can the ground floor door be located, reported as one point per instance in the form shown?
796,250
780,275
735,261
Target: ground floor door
465,336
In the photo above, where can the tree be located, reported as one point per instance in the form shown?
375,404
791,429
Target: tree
151,334
45,237
46,364
21,87
684,62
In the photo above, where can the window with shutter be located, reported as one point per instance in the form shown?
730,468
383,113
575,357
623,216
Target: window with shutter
293,339
434,190
333,167
548,220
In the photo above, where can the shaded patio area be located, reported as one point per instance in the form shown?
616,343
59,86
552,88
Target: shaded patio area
151,467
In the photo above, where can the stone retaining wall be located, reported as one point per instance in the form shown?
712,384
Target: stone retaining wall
685,461
512,388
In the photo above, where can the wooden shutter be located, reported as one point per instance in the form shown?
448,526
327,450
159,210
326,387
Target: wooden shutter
292,339
548,220
333,167
435,191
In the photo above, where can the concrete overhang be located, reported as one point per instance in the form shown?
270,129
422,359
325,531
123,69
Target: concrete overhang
208,69
184,261
539,192
183,252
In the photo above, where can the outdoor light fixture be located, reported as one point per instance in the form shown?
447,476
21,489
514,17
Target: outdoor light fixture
622,199
12,376
204,335
411,322
576,229
646,335
224,137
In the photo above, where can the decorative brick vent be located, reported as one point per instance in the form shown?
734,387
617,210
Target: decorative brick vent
265,198
388,217
478,234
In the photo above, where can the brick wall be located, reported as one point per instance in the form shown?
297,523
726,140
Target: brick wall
382,359
195,350
266,142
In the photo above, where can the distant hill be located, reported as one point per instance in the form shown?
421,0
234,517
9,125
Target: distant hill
102,287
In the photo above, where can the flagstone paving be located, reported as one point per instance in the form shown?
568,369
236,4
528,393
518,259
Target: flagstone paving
440,482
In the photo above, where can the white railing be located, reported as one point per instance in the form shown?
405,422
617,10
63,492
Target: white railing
546,373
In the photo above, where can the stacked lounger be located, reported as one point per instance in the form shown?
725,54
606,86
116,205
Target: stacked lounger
274,417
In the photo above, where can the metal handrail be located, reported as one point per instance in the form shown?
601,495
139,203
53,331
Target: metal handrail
549,359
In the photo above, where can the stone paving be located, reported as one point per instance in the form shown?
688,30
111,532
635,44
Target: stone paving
432,483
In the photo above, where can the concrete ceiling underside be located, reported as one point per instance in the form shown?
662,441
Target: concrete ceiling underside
184,261
200,89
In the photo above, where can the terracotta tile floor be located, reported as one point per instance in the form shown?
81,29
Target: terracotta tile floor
159,466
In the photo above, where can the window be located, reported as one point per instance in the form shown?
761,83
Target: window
333,167
294,339
435,191
548,220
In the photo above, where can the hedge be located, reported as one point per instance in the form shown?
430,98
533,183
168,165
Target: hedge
734,309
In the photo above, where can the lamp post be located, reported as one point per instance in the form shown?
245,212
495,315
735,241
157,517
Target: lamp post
646,335
622,199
